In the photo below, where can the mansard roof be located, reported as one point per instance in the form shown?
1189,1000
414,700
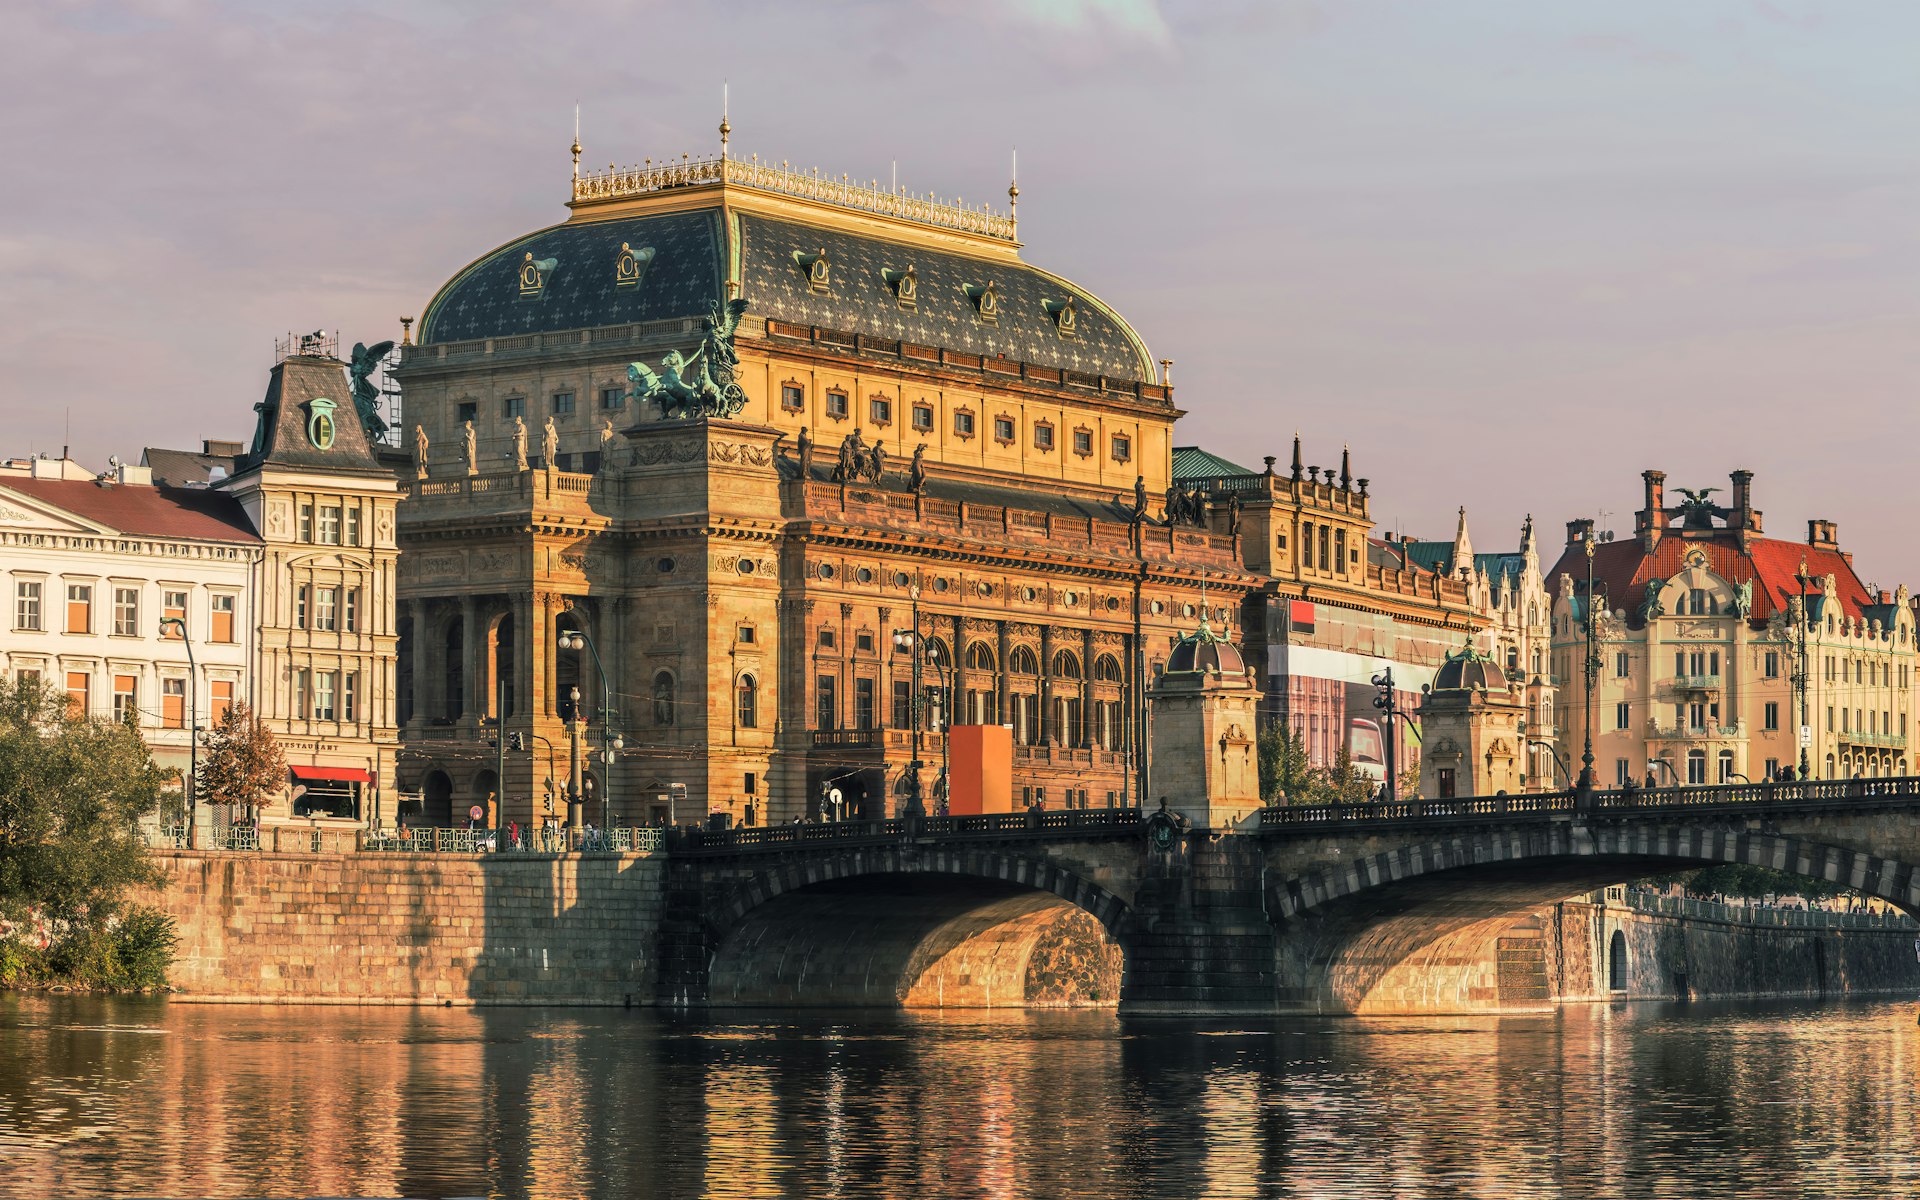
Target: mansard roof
1622,568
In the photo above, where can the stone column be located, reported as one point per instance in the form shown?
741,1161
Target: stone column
889,664
521,605
1047,723
423,689
1086,690
1003,697
543,653
471,651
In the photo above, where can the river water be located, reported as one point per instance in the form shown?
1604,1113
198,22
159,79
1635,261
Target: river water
117,1097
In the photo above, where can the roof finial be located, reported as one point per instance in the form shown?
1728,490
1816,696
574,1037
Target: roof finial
725,128
576,141
1296,454
1346,468
1013,190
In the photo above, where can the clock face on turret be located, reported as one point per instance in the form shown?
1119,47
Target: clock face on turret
320,427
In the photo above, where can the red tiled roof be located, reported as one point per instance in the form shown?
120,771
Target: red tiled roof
1621,570
141,510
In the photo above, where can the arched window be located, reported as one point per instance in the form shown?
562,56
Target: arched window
746,702
663,698
1023,662
1066,666
1106,669
979,657
937,651
1617,961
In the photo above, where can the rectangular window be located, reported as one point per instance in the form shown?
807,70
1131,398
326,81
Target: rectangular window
350,698
302,688
350,610
324,685
902,704
221,701
173,607
1122,449
1696,716
1773,768
826,638
1771,715
863,642
1679,662
79,704
1620,716
468,411
1622,665
126,612
963,424
880,410
1340,550
748,782
1043,437
1082,441
613,397
1829,718
513,406
1622,772
1773,664
222,608
305,532
353,525
744,634
1003,428
126,699
325,609
330,525
302,602
923,418
26,605
173,703
563,404
793,397
79,608
836,404
827,717
863,704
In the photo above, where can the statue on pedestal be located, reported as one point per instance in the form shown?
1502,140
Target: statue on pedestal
472,455
519,444
419,452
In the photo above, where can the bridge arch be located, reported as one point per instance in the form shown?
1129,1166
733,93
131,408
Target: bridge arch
891,927
1420,927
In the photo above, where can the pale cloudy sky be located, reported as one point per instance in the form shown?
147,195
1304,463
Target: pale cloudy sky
1513,251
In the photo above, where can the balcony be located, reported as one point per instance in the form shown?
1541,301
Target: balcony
1890,741
1692,733
1696,683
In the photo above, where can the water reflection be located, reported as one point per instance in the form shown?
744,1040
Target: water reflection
128,1097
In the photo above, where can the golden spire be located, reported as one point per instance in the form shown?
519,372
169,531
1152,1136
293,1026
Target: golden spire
1013,191
725,128
576,143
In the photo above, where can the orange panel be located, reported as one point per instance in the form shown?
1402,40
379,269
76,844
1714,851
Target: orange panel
982,764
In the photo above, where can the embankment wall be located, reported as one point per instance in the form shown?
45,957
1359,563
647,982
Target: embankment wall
413,929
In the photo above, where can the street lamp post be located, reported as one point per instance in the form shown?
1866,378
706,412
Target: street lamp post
946,725
909,640
575,806
1585,786
193,720
610,742
1805,733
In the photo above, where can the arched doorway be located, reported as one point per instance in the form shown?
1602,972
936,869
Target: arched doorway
1617,962
436,799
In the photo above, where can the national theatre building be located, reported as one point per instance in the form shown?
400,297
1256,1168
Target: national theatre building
742,428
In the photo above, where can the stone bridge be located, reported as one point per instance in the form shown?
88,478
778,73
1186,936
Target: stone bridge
1351,908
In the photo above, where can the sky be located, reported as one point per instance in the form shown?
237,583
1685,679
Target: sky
1512,252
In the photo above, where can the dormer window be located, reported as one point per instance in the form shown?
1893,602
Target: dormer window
533,275
903,284
986,301
1062,314
631,266
816,267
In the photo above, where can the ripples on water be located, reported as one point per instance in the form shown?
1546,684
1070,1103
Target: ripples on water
146,1098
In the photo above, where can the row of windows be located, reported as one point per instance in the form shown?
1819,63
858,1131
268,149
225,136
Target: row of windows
126,697
1322,546
1696,767
793,398
1863,671
327,695
30,615
329,525
327,609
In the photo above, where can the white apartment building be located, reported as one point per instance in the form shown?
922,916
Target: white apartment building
91,570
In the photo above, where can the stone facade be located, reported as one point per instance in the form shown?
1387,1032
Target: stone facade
356,928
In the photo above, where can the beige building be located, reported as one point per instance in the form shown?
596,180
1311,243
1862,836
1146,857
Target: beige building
1711,641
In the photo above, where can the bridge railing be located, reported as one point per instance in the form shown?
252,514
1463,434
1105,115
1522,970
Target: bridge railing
988,825
1751,797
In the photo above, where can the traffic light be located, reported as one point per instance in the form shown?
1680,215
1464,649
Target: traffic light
516,742
1384,683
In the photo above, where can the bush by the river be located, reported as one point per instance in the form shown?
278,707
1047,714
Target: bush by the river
72,790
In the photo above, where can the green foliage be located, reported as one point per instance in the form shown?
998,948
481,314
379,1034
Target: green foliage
1286,776
1407,782
1345,782
72,789
242,764
1740,879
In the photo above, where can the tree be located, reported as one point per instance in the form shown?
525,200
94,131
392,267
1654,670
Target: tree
1407,783
1345,782
72,789
243,763
1286,775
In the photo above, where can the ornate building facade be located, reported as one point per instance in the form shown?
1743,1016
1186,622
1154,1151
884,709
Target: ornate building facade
743,429
1721,654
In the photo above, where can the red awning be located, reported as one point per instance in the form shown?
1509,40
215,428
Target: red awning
338,774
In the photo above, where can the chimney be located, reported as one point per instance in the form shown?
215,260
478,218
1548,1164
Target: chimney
1651,522
1823,535
1577,531
1742,517
142,476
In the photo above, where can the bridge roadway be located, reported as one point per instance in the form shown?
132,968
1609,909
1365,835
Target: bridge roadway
1329,908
